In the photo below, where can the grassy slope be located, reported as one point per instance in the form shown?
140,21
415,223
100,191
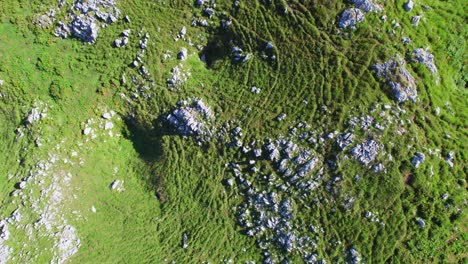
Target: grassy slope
313,64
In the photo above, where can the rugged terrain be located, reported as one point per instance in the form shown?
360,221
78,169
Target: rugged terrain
279,131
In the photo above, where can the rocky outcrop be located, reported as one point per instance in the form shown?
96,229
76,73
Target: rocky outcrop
192,119
366,152
424,57
85,19
398,78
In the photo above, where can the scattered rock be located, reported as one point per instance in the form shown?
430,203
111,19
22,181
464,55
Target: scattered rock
449,159
182,32
184,241
421,222
255,90
281,117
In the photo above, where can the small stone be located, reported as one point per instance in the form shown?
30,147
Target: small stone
182,55
255,90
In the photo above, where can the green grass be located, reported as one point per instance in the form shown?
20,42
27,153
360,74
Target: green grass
173,186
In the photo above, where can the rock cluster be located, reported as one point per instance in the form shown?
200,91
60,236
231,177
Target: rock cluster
398,78
424,57
123,41
86,18
191,119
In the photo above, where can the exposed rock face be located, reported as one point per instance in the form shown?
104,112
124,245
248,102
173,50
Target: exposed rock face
418,159
398,78
366,152
192,119
367,5
350,18
426,58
